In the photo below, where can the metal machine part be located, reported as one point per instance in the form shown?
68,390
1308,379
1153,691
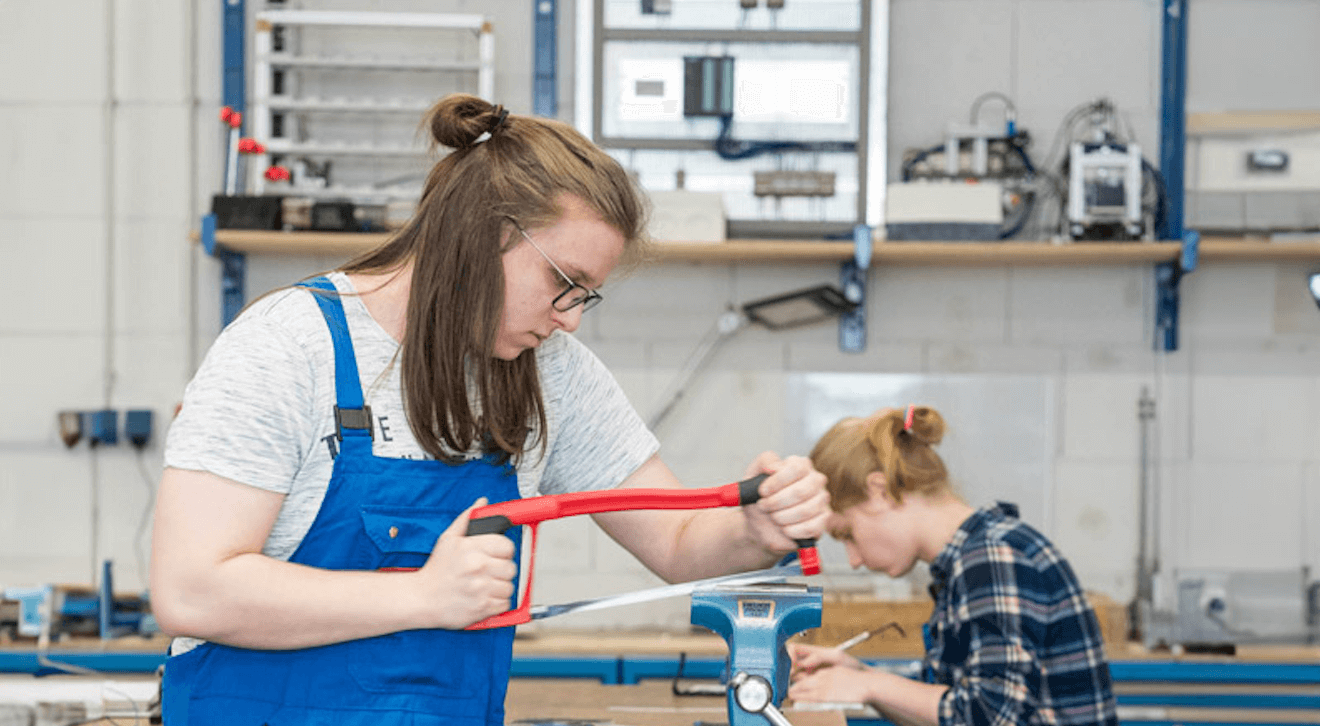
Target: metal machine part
56,611
1105,191
1217,608
753,694
756,622
978,138
944,210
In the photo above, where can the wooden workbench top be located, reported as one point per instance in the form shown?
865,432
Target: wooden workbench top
544,642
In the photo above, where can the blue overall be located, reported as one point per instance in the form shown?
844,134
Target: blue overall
377,513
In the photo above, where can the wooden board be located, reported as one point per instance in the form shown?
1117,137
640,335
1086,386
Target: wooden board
650,703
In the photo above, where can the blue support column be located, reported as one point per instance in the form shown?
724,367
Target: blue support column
235,49
1173,116
1173,146
233,272
545,100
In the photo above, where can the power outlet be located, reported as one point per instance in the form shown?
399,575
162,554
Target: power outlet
102,427
137,427
71,427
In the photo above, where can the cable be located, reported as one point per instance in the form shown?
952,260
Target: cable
145,519
1007,147
732,150
1010,110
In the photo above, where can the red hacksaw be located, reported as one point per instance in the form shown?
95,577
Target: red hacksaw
499,517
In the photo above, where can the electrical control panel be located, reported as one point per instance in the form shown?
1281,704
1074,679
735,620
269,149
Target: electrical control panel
767,105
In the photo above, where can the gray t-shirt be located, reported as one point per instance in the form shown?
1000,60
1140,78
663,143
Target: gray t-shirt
260,410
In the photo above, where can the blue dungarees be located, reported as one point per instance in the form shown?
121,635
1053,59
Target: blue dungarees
377,512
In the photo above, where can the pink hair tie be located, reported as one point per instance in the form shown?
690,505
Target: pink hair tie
907,420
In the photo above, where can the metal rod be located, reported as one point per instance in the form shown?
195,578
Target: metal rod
1145,415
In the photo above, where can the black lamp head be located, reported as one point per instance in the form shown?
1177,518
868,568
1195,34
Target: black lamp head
802,307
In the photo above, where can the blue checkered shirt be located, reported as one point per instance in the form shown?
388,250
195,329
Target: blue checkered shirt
1012,634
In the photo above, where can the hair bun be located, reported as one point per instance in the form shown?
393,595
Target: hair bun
927,425
460,120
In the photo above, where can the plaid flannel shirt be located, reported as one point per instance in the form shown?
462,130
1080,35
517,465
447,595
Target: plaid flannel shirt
1012,634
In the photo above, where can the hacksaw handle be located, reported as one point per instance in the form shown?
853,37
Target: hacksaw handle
498,517
749,491
501,516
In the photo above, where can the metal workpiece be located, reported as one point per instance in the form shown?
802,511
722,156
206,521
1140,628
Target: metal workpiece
756,622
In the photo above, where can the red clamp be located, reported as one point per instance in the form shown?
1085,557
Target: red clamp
499,517
231,118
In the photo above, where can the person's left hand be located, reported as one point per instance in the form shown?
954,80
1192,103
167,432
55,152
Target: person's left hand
793,505
835,684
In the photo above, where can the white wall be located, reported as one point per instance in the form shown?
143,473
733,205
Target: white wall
108,304
99,155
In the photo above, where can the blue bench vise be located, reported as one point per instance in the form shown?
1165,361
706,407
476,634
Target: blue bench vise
756,621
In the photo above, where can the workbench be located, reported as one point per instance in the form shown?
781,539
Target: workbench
624,678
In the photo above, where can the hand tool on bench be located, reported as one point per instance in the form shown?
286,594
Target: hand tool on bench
756,621
530,512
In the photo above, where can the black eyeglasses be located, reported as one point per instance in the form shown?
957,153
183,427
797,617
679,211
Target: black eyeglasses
573,295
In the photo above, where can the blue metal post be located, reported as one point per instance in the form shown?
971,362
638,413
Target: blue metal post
1173,116
235,47
852,276
233,271
1173,147
545,100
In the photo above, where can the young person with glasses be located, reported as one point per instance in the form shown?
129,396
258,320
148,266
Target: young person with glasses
309,536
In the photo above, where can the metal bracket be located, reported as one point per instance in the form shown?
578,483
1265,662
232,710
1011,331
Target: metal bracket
852,278
1168,275
233,272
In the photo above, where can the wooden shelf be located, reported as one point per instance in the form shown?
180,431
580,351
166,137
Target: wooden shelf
1212,249
921,253
251,241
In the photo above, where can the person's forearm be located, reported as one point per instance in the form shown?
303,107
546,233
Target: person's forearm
715,542
681,545
912,703
253,601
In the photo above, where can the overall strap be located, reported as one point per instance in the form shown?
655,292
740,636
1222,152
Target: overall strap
352,417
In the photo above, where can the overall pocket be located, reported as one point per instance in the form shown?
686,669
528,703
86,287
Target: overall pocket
431,662
400,537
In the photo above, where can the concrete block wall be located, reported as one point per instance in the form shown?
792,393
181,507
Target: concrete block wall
98,142
112,150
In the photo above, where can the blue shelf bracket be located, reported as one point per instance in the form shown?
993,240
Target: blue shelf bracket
233,272
852,325
1168,277
545,100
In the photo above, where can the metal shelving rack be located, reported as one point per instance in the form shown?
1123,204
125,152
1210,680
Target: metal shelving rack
288,106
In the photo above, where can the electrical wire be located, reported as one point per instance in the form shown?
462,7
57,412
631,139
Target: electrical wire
145,520
1020,180
732,150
